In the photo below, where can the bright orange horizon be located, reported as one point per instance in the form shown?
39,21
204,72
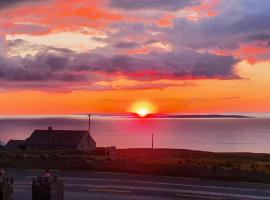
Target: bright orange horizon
104,56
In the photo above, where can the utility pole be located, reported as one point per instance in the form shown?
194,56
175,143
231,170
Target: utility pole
152,141
89,122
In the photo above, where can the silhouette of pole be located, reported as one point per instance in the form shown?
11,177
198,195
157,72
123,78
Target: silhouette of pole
152,141
89,122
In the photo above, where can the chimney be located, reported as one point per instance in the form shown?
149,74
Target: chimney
50,128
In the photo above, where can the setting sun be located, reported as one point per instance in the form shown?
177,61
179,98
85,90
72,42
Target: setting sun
143,108
142,112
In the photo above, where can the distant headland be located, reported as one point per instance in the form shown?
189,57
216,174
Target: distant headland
183,116
197,116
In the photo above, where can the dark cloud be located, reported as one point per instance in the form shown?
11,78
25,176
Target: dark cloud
42,67
249,16
70,67
61,50
25,45
8,3
235,22
127,45
15,43
155,66
22,28
171,5
2,45
130,44
258,37
261,39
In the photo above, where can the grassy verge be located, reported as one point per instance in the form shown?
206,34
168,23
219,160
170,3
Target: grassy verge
171,162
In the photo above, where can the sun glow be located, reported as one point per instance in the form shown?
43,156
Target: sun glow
142,112
142,108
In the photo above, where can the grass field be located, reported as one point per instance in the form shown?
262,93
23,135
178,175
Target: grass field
171,162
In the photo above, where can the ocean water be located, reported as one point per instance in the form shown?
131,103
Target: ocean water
215,134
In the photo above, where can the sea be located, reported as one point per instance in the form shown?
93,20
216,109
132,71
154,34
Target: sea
207,134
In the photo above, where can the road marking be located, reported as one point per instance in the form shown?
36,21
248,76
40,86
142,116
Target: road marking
108,190
39,170
22,186
197,196
100,189
255,183
195,192
183,178
117,173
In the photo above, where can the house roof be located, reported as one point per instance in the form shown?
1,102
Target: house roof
15,143
57,137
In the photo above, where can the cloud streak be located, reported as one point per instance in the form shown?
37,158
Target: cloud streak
8,3
67,66
170,5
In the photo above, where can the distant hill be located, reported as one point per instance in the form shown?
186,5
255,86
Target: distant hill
197,116
133,115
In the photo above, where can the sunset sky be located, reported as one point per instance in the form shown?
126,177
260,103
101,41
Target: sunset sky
102,56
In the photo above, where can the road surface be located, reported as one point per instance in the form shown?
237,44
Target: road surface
83,185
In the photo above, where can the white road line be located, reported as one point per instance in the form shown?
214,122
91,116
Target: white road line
222,194
183,178
107,190
39,170
112,173
196,192
154,189
197,196
22,186
255,183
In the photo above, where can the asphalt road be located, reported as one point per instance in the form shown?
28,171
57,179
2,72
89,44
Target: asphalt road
83,185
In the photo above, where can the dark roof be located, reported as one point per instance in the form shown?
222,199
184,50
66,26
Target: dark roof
15,143
57,137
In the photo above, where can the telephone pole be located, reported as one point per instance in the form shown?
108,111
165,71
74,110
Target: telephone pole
152,141
89,122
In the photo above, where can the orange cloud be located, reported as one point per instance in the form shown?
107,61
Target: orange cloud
62,15
142,50
165,21
250,52
207,8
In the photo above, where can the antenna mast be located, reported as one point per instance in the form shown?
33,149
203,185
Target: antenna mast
152,141
89,122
